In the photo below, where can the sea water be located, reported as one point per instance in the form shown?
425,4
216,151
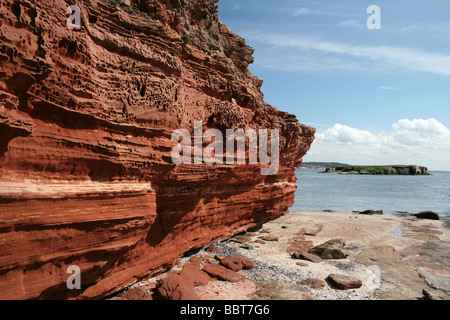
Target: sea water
395,194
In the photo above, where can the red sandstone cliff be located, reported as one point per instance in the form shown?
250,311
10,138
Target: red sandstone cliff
86,119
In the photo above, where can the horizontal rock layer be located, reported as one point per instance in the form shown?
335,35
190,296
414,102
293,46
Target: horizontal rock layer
86,118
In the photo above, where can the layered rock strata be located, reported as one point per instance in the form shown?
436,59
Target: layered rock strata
86,120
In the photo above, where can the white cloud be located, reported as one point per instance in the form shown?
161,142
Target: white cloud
308,11
344,134
301,12
427,128
351,23
388,88
383,56
410,28
305,63
418,141
420,131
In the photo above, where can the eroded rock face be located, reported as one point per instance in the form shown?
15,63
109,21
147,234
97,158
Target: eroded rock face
86,119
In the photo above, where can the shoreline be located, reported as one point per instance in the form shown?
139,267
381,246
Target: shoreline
445,219
392,194
394,257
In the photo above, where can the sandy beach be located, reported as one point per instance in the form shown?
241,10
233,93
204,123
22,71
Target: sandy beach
393,257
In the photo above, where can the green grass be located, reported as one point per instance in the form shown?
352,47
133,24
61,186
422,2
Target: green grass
369,169
186,38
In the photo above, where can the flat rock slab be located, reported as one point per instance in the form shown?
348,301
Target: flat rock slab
298,244
307,256
222,273
344,282
268,238
238,240
311,229
332,249
329,253
435,280
237,263
198,277
420,232
271,290
432,294
313,283
431,260
408,284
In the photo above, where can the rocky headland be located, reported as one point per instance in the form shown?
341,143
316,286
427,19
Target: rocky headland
86,118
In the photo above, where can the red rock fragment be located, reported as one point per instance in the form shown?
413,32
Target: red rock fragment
210,249
177,287
222,273
268,238
307,256
133,294
237,263
344,282
313,283
198,277
196,261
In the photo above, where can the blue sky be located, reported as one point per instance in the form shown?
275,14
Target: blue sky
375,96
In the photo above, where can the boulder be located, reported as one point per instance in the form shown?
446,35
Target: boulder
177,287
299,244
307,256
237,263
332,249
198,277
222,273
344,282
371,212
431,215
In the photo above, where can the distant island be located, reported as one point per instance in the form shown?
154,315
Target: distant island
379,170
321,165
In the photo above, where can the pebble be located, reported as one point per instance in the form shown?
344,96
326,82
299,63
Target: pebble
263,271
292,273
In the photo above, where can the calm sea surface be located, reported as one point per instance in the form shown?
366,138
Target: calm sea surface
345,193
